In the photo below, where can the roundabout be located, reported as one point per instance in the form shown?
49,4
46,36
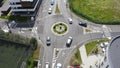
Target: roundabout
60,28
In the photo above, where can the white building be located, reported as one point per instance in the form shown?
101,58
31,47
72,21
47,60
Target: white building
112,55
24,7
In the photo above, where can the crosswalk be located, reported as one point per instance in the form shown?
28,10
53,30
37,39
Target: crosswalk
106,31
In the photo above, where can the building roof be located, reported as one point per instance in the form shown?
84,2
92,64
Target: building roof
5,6
27,0
114,53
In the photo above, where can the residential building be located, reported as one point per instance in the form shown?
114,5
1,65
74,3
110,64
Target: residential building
24,7
4,7
112,55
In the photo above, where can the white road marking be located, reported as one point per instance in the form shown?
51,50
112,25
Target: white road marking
106,31
64,1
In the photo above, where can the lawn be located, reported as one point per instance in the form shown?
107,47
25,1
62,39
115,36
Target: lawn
57,9
76,59
98,11
12,56
32,61
92,45
18,19
36,53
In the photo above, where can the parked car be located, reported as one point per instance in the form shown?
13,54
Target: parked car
70,20
50,10
83,24
103,45
59,65
48,41
103,49
69,41
47,65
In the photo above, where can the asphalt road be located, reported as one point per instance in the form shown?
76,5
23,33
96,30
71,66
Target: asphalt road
43,25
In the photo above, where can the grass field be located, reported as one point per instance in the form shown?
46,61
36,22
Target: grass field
18,19
99,11
76,59
12,56
92,45
57,10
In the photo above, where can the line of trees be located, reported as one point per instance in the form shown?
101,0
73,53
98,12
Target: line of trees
17,39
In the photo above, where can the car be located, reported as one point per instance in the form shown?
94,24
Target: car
103,49
69,41
48,41
59,65
83,24
70,20
47,65
50,10
104,45
52,2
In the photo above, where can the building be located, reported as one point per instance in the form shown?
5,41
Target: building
24,7
1,3
4,7
112,55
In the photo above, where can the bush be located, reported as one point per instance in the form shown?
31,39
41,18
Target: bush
76,59
34,42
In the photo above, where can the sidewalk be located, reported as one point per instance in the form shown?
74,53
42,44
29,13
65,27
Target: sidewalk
89,61
83,54
93,61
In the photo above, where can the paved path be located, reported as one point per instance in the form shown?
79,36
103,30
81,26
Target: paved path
106,31
87,61
83,54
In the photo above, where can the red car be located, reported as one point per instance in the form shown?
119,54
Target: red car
75,67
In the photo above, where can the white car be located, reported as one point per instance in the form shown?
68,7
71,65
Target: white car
47,65
70,20
105,44
69,41
48,41
50,10
59,65
101,45
103,49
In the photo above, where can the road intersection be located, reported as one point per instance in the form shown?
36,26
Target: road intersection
44,24
42,29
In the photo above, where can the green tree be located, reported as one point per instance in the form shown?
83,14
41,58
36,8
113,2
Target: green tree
33,41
